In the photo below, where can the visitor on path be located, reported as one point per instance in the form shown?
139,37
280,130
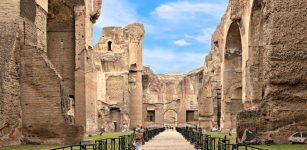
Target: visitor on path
101,130
142,128
138,139
125,128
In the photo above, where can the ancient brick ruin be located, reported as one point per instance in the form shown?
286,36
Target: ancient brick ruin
118,55
46,70
258,64
171,99
56,86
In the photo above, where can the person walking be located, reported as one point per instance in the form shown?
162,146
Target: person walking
138,139
101,130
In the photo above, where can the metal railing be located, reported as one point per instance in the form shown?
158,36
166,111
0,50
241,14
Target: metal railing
151,133
206,142
224,145
121,143
124,142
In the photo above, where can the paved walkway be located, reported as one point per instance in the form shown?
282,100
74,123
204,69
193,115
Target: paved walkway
168,140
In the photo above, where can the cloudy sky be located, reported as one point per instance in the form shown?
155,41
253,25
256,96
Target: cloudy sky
177,34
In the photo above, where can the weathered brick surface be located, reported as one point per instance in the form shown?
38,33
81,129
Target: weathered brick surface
41,98
10,109
273,67
39,115
61,53
10,10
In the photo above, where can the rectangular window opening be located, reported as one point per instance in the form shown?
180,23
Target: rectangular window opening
190,115
151,115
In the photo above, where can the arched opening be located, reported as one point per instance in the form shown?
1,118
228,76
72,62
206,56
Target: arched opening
110,46
232,77
233,52
170,118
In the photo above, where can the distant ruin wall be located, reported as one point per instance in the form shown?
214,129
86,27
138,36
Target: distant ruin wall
170,96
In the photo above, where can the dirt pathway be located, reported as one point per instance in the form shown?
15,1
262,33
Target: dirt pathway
168,140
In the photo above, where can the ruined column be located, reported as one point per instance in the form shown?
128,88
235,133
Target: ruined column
85,74
136,34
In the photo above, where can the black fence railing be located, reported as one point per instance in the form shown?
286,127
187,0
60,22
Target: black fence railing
151,133
121,143
124,142
206,142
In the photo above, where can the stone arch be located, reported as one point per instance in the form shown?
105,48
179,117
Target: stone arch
232,75
254,70
170,117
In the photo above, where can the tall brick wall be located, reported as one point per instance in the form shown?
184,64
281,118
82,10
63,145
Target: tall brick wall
10,109
61,40
45,74
42,101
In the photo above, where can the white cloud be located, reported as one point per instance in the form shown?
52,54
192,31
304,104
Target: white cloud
190,20
204,37
181,43
166,60
116,13
184,10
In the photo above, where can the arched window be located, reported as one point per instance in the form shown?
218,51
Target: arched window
110,46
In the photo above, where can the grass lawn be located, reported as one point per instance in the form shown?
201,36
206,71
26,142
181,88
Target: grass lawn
28,147
268,147
107,135
47,147
284,147
232,138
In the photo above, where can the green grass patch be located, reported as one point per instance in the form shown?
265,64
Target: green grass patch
107,135
47,147
284,147
232,139
29,147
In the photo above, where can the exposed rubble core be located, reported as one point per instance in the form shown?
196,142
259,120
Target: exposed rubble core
262,56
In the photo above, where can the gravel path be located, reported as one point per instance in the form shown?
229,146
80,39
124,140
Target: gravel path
168,140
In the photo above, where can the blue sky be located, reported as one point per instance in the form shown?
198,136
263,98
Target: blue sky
178,32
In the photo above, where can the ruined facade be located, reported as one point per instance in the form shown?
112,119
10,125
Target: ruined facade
258,53
45,74
171,99
118,55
